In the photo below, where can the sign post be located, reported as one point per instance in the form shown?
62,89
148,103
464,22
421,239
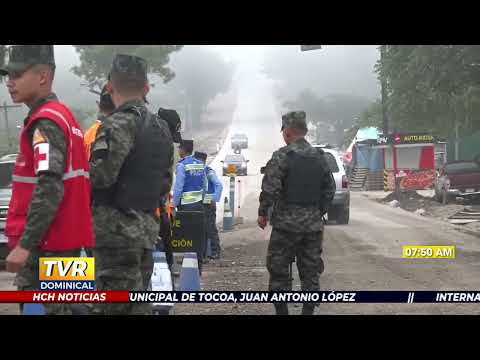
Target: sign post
229,214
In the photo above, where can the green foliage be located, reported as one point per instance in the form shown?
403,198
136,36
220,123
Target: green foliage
96,60
432,87
371,116
201,76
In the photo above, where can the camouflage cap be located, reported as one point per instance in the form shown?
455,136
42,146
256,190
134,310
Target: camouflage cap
130,66
21,57
295,120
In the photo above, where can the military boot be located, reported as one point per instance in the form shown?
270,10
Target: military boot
281,309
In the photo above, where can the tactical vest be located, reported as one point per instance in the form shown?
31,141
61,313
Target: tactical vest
193,188
141,180
305,173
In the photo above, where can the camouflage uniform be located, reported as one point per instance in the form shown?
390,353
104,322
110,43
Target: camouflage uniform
46,199
297,229
125,238
48,193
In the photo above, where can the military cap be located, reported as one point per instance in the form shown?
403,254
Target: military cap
187,145
201,156
174,123
21,57
295,120
130,66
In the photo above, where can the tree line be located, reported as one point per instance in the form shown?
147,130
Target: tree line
186,78
430,88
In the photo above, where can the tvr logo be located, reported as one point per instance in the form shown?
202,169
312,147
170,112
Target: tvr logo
67,269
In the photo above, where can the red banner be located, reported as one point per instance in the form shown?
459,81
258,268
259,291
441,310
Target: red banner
12,297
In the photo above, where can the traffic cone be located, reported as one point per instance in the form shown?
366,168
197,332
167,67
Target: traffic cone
189,275
227,216
161,281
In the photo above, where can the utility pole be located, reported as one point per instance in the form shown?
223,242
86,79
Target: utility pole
457,150
5,107
383,81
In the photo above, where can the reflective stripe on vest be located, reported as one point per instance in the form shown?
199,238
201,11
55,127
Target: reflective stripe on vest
76,173
209,198
192,167
25,179
191,197
33,180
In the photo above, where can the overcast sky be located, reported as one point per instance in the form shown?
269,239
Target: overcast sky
333,69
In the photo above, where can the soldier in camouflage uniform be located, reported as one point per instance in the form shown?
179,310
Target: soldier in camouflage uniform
131,160
30,77
299,185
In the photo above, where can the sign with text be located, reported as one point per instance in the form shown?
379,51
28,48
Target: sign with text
188,232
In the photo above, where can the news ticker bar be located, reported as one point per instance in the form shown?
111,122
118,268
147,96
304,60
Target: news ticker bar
246,297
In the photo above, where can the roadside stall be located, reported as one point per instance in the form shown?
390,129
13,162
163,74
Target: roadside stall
409,158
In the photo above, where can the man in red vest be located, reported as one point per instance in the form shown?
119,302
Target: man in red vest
49,213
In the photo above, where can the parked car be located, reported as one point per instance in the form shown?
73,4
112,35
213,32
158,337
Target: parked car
239,141
9,157
340,207
238,161
6,172
459,178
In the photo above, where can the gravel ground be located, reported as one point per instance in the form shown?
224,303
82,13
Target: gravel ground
424,199
241,268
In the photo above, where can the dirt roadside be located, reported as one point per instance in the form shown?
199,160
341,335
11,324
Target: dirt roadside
424,203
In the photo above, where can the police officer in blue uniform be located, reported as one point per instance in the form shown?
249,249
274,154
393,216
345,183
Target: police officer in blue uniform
190,180
190,187
212,196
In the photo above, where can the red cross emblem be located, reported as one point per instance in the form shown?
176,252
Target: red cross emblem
40,157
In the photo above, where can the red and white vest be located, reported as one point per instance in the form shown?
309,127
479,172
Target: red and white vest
72,226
